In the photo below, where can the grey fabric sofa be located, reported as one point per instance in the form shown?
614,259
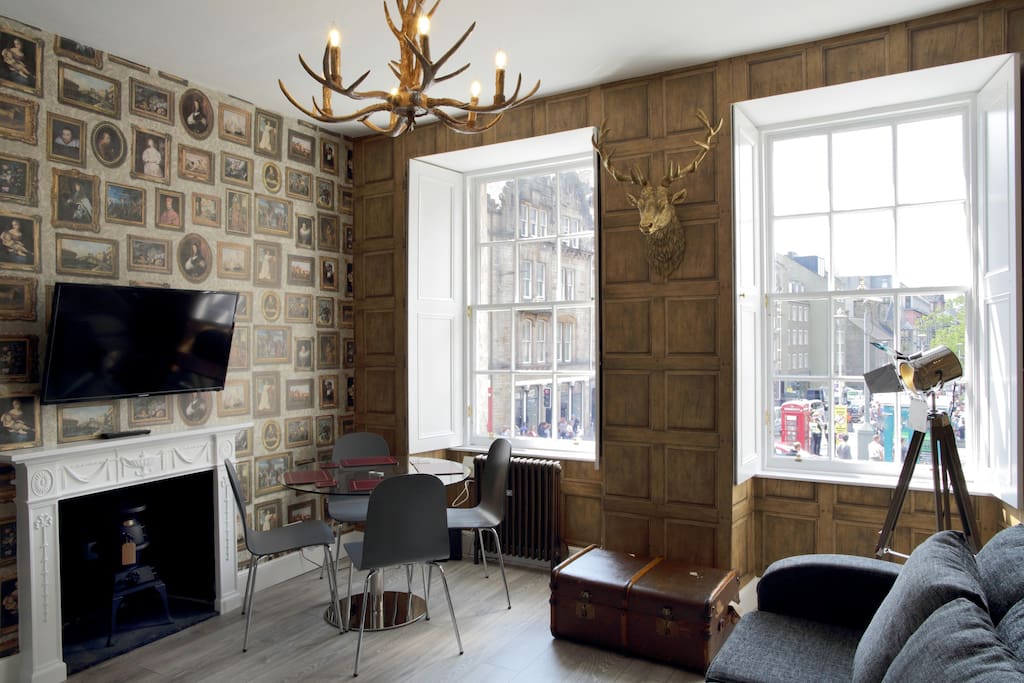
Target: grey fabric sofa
945,615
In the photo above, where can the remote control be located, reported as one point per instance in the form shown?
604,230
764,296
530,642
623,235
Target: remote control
118,435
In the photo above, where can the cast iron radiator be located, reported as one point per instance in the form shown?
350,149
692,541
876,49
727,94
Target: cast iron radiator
532,528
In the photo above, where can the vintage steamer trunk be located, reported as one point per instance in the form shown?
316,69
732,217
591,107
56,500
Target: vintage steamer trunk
650,607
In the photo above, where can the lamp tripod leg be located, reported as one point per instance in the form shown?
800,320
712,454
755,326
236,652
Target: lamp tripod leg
899,495
953,469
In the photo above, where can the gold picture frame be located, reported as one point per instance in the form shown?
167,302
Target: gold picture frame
89,91
75,200
88,256
18,118
234,124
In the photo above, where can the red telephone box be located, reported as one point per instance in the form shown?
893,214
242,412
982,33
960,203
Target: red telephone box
796,422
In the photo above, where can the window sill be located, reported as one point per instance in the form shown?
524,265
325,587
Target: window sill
549,454
976,486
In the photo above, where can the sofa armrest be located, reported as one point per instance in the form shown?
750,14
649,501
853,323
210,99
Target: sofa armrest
844,590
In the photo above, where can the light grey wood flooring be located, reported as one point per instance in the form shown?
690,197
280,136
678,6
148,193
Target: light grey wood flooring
290,641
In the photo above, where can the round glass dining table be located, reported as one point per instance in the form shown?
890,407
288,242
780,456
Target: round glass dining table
386,609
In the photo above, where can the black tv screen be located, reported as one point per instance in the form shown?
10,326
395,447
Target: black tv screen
110,342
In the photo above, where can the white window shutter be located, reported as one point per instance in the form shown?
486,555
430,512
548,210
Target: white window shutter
437,311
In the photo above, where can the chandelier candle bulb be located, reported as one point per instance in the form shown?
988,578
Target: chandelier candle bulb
334,47
500,62
474,99
423,27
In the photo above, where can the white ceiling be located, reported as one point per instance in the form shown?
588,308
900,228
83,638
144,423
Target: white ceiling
242,47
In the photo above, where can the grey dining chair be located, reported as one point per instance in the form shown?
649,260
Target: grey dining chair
284,539
405,525
353,446
490,512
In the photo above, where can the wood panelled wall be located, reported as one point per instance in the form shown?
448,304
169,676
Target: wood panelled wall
665,481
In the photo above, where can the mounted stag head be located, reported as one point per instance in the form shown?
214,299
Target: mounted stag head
663,233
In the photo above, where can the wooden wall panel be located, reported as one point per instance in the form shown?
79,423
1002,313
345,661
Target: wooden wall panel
627,111
627,533
614,195
785,536
582,524
623,257
627,399
377,390
775,76
378,333
691,326
376,160
1015,30
684,94
567,112
854,61
701,258
690,542
691,402
377,275
944,43
627,470
691,476
628,328
378,217
700,185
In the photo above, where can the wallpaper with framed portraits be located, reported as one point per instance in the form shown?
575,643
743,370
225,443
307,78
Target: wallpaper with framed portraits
19,179
243,310
298,394
243,443
303,354
304,231
302,511
170,208
329,156
150,410
195,164
87,90
269,514
349,360
195,407
149,254
329,267
72,49
22,65
298,184
328,234
348,238
272,177
271,344
345,201
238,218
19,241
270,305
325,312
235,169
151,155
75,200
300,147
324,431
328,351
20,426
298,431
270,468
124,204
301,270
328,391
65,139
234,398
195,259
273,216
196,113
87,256
19,357
239,359
268,134
205,209
109,146
234,124
298,308
267,264
17,298
18,118
270,435
150,101
86,421
325,194
234,261
243,468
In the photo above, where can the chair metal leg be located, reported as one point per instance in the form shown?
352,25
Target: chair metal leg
362,618
483,553
408,593
451,609
248,587
501,563
253,565
348,597
424,574
332,583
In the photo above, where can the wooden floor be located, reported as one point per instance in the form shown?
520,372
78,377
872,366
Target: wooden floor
290,641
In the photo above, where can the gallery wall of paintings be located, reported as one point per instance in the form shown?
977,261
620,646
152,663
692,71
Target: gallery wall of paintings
114,172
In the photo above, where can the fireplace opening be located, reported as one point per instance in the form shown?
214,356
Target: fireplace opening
137,564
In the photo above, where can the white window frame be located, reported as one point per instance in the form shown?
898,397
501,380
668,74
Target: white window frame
991,87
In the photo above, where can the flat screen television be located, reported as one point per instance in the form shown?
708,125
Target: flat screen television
108,342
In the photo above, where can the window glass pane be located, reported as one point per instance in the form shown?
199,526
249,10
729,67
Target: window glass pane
493,340
496,283
930,160
497,217
797,328
577,258
862,169
801,254
932,247
540,254
576,200
538,192
864,250
493,395
800,175
533,327
575,338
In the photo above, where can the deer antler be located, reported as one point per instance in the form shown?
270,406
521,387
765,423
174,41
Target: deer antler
636,177
676,172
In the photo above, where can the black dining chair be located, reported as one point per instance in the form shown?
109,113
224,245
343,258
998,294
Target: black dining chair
353,447
490,512
305,534
405,525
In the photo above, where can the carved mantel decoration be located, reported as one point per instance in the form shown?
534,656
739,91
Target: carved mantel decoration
664,241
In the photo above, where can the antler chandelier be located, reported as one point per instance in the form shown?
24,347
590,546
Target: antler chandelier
416,72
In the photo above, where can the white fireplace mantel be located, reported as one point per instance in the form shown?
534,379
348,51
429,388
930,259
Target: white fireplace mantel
45,476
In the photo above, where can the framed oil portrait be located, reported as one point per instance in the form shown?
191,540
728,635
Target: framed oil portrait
150,410
324,431
270,306
266,394
303,353
298,308
267,264
234,124
19,242
329,157
151,155
324,312
270,435
243,444
149,254
345,202
234,398
19,421
328,356
169,209
108,145
271,177
150,101
18,118
304,231
298,184
75,200
271,344
243,310
270,468
298,394
17,298
234,261
349,360
328,391
329,276
347,315
19,179
348,239
206,209
89,91
328,232
124,204
236,170
195,407
301,511
268,134
84,421
18,357
22,65
301,270
298,431
64,139
72,49
243,468
194,257
349,279
196,113
9,539
89,256
238,359
195,164
300,147
268,515
273,216
350,395
238,219
325,194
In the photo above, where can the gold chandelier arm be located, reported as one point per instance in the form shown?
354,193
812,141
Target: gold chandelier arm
464,125
395,128
319,114
430,68
495,108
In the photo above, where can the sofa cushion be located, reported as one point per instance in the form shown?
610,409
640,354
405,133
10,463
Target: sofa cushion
939,571
956,643
770,648
1011,630
1001,566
